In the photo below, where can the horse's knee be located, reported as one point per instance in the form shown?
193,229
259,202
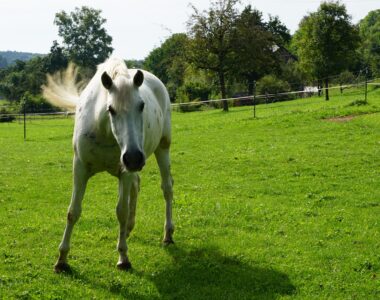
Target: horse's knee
73,216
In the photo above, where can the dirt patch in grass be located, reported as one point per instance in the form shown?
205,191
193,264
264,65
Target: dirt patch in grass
340,119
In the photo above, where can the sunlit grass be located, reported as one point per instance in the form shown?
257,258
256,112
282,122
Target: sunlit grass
283,205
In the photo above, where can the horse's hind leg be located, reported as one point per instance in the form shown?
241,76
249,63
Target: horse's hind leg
80,177
163,160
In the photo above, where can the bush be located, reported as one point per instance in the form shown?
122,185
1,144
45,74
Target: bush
6,116
192,91
345,77
358,103
272,85
36,104
191,106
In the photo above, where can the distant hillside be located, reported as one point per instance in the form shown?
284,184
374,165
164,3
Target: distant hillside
9,57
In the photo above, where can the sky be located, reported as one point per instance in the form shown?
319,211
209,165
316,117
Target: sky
137,26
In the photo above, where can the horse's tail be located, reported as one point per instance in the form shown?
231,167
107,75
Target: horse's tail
61,89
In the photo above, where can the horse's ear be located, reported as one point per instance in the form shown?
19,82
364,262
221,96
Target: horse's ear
139,78
106,81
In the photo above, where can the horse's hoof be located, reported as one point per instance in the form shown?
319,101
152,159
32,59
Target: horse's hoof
124,266
168,241
62,267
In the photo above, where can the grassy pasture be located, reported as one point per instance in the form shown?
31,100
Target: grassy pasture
286,205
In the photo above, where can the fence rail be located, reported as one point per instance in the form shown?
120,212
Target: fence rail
252,100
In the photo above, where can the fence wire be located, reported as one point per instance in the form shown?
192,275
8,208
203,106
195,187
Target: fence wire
251,100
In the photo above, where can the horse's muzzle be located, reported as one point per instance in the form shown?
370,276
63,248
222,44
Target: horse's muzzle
134,160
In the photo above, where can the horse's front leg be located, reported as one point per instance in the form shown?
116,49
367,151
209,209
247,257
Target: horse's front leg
80,178
122,212
163,160
135,188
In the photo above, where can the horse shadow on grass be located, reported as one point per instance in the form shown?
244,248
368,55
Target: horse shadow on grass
203,273
208,274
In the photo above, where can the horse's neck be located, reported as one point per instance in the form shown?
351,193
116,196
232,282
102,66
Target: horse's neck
94,107
103,125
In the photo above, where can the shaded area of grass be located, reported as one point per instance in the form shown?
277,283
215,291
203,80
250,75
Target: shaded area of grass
216,276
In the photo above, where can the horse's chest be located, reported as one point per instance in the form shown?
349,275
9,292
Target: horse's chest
98,155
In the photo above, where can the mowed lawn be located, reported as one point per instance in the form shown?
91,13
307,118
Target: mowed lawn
286,205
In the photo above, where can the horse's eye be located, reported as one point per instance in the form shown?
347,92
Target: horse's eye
142,104
111,110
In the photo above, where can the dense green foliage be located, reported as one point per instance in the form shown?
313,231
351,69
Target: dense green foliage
22,77
282,206
370,35
253,48
28,76
84,37
3,62
326,41
280,32
169,62
272,85
212,40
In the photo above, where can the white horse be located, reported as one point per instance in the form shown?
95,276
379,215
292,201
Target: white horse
122,117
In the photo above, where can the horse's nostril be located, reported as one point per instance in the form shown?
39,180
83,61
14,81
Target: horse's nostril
125,160
134,160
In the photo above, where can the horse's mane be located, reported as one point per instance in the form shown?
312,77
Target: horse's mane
114,66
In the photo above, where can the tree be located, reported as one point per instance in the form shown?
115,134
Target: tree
326,42
169,62
369,29
13,81
279,30
3,62
134,63
197,86
84,38
56,59
211,46
28,76
253,47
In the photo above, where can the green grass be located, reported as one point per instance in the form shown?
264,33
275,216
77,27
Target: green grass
286,205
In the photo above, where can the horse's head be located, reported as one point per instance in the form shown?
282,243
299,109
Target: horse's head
125,107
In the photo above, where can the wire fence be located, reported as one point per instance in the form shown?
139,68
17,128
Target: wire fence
18,113
269,98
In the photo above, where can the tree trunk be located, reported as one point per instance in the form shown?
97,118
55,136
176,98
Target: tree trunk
327,89
319,88
223,91
250,88
251,83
